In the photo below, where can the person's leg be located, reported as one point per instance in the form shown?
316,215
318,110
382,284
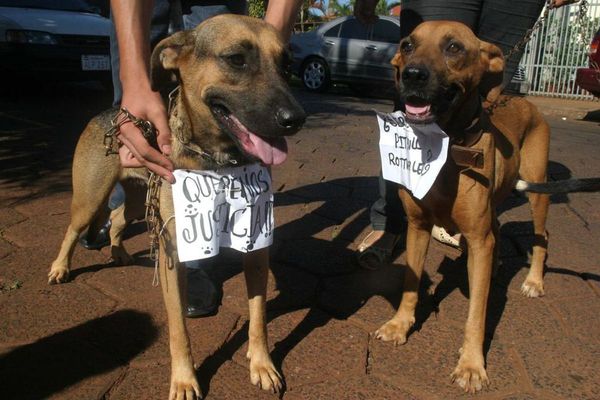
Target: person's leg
97,240
203,295
504,23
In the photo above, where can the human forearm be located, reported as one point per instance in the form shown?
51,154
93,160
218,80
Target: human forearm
132,24
282,15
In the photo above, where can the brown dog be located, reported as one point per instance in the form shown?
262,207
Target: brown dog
233,107
443,74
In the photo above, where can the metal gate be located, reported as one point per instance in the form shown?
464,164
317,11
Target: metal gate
556,50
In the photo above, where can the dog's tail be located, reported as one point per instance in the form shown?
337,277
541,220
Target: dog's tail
564,186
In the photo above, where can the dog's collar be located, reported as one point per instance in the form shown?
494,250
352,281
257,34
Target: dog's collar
461,147
173,96
469,136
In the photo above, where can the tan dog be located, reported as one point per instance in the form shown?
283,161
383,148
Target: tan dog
233,107
442,72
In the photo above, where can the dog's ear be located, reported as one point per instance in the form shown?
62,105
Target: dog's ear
397,63
165,59
492,60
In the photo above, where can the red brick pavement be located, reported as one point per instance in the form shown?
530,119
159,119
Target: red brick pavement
103,335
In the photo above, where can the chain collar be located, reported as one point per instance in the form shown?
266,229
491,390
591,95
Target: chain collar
173,96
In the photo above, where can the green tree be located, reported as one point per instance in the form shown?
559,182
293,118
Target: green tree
382,8
340,10
257,8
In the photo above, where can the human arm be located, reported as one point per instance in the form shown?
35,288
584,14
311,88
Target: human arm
282,15
132,24
560,3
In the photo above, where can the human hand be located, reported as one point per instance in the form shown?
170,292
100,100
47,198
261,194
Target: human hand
560,3
364,11
146,104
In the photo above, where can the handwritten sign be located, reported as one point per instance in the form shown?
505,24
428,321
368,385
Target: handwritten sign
232,207
411,155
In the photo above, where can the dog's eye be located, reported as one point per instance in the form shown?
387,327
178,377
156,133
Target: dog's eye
236,60
454,48
406,47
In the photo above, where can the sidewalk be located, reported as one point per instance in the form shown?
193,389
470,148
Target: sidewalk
570,109
103,335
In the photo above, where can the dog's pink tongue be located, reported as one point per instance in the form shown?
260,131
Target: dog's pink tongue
271,151
417,110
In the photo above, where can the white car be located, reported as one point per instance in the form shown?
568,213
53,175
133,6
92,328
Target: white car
55,39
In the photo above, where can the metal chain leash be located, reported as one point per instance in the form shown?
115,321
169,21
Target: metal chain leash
581,15
152,204
529,33
152,216
123,117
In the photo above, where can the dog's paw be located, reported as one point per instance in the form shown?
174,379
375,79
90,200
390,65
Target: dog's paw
530,288
394,330
470,376
264,375
58,275
184,386
120,256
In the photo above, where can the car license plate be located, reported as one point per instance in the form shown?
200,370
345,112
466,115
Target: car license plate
95,63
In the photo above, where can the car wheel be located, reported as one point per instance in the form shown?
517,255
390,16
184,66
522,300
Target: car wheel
315,75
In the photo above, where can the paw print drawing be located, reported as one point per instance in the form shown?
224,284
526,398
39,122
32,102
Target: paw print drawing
207,250
249,245
191,211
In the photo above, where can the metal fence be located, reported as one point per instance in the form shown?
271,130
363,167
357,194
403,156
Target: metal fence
556,50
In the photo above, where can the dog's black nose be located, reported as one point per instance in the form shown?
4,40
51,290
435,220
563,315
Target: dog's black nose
290,119
415,74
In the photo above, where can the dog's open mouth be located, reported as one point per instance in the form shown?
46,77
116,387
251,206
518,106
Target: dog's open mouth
421,110
269,150
419,113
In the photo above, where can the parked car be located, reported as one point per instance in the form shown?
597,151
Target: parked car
54,39
589,78
345,50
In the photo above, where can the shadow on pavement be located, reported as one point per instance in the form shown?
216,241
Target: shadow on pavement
39,126
343,288
592,116
51,364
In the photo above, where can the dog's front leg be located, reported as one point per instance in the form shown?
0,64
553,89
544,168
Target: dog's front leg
470,372
417,242
183,375
184,384
262,371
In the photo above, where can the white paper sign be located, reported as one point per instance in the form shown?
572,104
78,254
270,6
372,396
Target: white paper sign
232,207
411,155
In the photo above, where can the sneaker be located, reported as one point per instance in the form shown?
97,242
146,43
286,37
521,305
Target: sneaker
442,236
376,249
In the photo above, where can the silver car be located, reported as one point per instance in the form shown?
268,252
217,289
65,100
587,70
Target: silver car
345,50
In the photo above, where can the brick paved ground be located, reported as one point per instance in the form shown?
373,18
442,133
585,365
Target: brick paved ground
103,335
